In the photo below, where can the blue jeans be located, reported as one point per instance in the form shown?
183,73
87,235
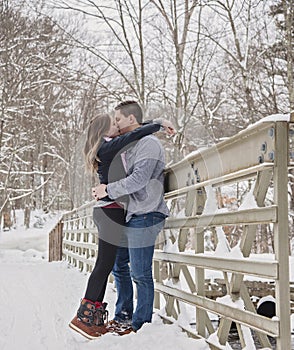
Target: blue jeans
141,232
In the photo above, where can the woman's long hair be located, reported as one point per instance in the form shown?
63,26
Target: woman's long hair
98,127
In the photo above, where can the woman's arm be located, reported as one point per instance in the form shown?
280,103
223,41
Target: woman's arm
120,142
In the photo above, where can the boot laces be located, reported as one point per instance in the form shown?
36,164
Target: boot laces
102,315
86,312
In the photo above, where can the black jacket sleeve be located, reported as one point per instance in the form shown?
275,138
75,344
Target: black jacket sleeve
116,144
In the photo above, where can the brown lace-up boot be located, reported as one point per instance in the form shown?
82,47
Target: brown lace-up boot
90,318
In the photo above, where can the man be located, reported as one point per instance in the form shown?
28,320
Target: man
146,213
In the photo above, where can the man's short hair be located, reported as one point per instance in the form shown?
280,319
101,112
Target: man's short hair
131,107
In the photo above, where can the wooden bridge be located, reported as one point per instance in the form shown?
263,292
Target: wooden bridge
260,154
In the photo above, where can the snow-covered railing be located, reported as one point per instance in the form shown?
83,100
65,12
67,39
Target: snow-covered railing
80,238
259,154
182,266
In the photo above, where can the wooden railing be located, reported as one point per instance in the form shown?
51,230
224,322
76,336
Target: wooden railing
79,239
259,154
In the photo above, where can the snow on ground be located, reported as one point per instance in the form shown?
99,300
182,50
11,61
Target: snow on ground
38,299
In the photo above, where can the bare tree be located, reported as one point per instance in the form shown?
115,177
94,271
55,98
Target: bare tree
283,13
288,9
37,87
177,17
122,51
282,50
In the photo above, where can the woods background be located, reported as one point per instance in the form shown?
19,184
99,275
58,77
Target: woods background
211,67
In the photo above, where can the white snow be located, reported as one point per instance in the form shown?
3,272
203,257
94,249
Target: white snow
213,338
170,247
264,299
223,246
249,201
272,118
39,298
210,206
236,252
275,118
227,300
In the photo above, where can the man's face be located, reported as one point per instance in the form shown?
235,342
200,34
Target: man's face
113,130
122,122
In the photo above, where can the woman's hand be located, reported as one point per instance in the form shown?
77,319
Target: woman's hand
99,192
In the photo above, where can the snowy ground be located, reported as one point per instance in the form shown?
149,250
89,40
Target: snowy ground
38,299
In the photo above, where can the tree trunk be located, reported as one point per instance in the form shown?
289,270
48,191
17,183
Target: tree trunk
288,7
27,216
6,213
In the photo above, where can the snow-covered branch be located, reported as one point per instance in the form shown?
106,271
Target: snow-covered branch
11,199
36,172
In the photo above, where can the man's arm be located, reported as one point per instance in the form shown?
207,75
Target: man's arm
137,180
147,158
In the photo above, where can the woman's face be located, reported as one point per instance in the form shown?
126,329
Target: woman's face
114,130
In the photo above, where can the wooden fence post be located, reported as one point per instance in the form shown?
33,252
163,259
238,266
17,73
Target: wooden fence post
55,242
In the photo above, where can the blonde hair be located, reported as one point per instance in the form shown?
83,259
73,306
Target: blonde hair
98,127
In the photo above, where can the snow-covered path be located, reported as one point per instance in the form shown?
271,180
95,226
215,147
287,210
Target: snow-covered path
35,304
38,299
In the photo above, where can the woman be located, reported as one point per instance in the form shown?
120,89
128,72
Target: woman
103,154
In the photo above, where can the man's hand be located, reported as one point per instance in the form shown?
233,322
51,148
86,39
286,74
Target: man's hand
99,192
168,127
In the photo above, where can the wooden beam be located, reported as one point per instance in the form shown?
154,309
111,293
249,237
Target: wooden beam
224,158
237,286
200,280
254,267
188,277
281,237
261,186
239,175
249,233
241,217
247,239
256,322
92,246
263,339
157,277
224,330
79,258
